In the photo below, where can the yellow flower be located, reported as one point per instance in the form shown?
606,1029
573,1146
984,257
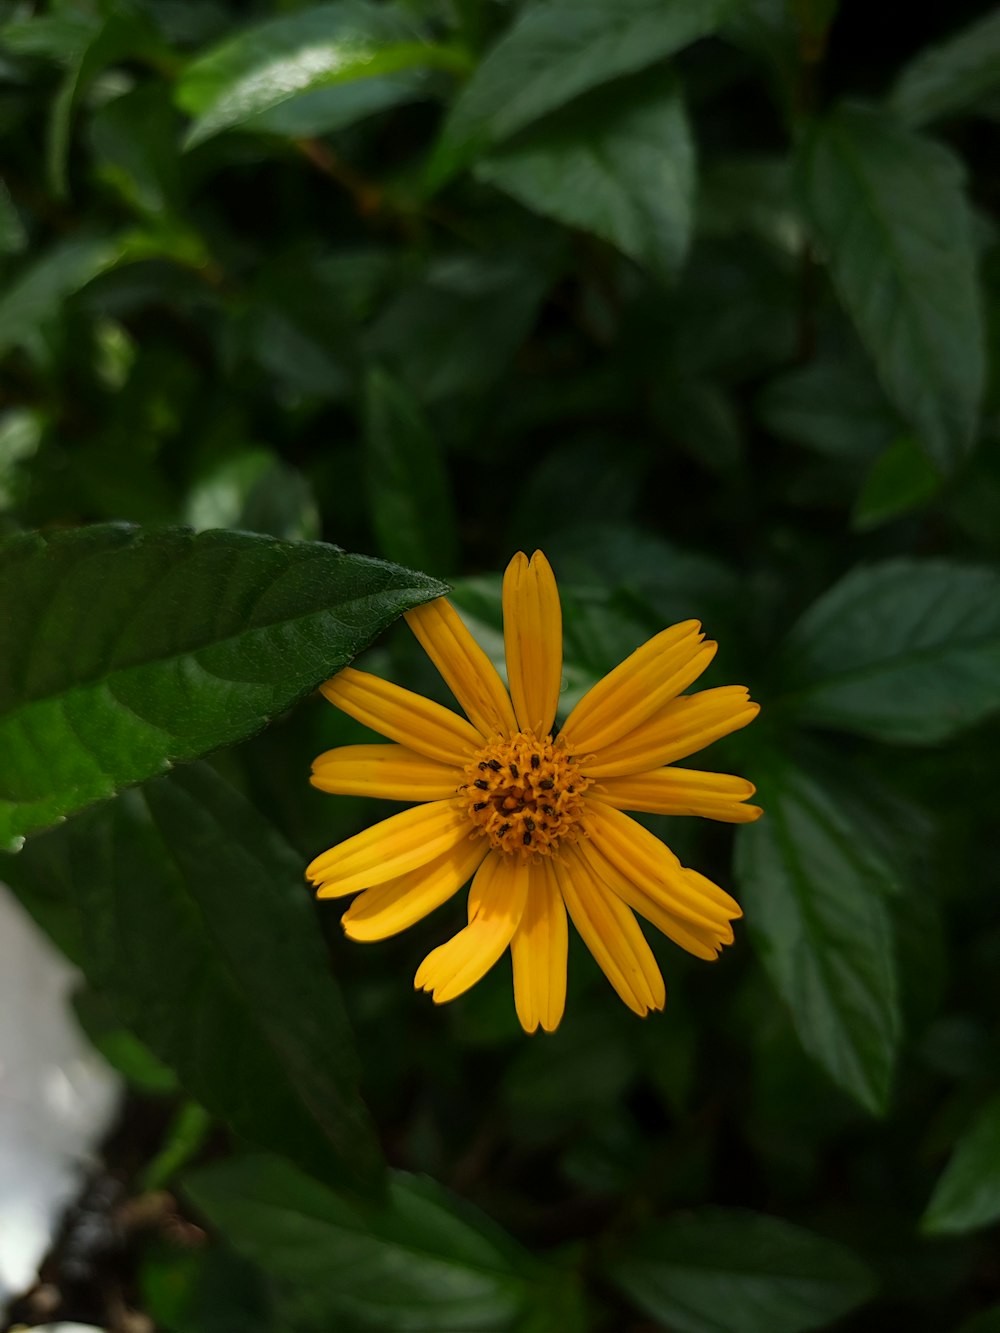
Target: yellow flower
535,816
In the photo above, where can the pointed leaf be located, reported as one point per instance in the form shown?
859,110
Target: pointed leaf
967,1196
619,163
814,892
726,1271
421,1261
199,930
905,651
309,72
553,52
904,272
125,651
951,76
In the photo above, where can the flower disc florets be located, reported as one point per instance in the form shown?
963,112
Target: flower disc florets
525,794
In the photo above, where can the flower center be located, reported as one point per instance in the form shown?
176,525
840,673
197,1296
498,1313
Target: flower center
525,794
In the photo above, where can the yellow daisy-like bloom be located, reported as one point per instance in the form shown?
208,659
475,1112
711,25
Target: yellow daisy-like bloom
535,816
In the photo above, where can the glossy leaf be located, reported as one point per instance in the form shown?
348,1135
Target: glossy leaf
129,650
814,889
408,485
619,164
905,651
555,51
967,1196
422,1261
725,1271
952,76
198,929
904,273
310,72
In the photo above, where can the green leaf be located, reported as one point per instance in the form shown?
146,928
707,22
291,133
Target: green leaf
726,1271
832,405
904,272
35,298
309,73
952,76
13,236
814,892
967,1197
257,491
901,479
421,1261
198,929
553,52
452,332
130,650
125,34
122,1049
905,651
134,142
408,488
618,163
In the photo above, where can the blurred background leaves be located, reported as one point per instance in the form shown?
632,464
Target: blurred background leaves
701,298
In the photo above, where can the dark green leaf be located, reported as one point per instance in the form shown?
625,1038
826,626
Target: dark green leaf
422,1261
726,1271
814,892
904,272
134,142
967,1196
198,929
125,34
13,237
453,331
906,651
952,76
37,296
310,72
619,163
555,51
257,491
901,479
832,405
122,1049
408,485
126,651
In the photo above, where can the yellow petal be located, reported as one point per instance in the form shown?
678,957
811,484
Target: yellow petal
611,933
532,620
674,731
393,847
538,952
468,672
496,904
391,907
391,772
681,791
652,867
413,721
652,676
702,940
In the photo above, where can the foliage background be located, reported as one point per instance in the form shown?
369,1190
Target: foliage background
700,296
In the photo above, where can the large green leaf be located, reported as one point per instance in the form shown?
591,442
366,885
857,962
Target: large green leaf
814,889
310,72
198,929
904,272
422,1261
619,163
968,1194
952,76
907,650
408,486
125,651
555,51
726,1271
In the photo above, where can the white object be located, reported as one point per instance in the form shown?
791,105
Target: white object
57,1098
